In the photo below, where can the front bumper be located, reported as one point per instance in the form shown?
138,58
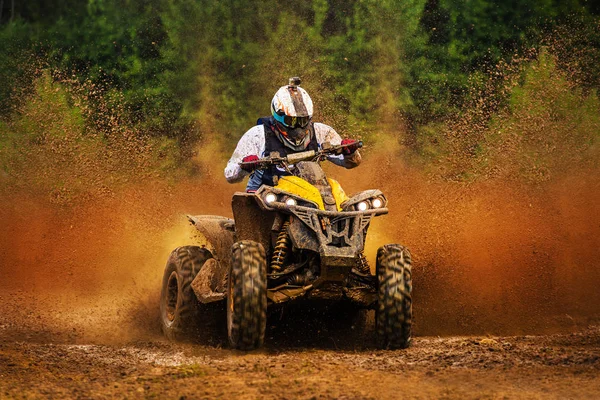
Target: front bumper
338,237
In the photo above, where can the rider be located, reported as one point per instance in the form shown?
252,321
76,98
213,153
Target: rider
289,130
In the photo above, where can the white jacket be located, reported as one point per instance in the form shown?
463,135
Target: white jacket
253,143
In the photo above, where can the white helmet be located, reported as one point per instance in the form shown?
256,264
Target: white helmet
292,108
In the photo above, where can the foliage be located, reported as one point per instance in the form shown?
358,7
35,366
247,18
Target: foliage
183,69
463,38
13,64
548,125
50,146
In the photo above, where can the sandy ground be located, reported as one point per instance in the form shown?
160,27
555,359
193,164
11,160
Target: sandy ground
552,366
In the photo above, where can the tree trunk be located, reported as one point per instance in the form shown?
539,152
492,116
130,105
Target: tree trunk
12,9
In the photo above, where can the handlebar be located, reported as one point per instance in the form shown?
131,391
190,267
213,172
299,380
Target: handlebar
310,155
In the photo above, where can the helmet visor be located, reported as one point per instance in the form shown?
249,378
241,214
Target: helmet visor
292,122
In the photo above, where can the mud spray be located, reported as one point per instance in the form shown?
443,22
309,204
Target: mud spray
494,255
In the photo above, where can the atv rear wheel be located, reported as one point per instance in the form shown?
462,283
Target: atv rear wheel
179,307
394,309
247,296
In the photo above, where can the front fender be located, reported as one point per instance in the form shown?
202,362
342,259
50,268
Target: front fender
219,232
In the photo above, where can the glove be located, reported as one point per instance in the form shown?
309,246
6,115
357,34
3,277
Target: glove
251,167
353,146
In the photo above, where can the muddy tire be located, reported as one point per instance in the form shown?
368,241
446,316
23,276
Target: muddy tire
247,296
394,309
180,311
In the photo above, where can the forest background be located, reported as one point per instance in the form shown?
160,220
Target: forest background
132,87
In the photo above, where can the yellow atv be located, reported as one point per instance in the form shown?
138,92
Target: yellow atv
302,238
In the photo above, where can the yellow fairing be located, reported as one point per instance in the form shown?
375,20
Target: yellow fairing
338,193
299,187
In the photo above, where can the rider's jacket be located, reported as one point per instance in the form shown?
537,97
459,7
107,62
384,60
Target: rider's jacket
273,144
262,140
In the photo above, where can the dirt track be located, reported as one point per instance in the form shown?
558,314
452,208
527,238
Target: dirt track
555,366
79,282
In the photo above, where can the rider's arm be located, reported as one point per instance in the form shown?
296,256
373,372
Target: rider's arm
325,133
253,142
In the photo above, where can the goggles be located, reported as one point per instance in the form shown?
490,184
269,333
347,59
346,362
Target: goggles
291,122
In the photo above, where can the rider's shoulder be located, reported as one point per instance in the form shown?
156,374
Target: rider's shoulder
322,128
325,133
255,131
320,125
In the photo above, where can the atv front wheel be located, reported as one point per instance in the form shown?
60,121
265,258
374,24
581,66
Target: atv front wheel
179,307
247,296
394,311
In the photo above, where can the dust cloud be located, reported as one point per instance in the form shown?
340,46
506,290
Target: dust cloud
501,253
92,270
490,257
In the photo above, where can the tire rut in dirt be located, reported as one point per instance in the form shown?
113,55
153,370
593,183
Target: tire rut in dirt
247,296
394,311
183,317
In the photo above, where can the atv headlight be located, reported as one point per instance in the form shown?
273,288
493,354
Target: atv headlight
270,198
362,206
366,201
291,201
377,202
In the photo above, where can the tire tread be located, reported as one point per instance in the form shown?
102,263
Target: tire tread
248,292
394,310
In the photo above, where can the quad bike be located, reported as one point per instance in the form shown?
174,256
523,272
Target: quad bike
302,238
